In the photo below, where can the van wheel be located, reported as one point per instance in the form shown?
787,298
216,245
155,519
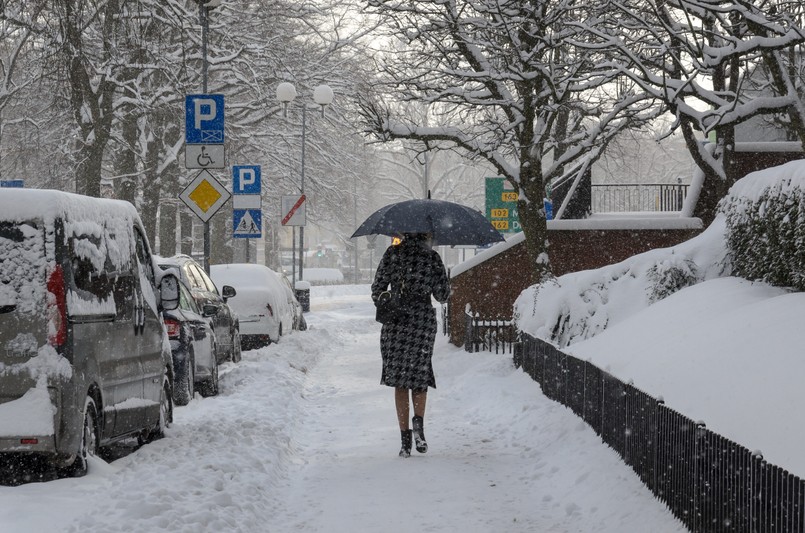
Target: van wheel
165,416
89,442
185,381
210,385
237,350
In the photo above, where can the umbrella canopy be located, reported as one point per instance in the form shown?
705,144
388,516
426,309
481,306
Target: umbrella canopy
449,223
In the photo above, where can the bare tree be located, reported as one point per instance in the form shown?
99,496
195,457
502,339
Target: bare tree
512,87
696,56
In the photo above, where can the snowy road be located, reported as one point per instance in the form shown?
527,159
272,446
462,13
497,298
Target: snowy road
302,438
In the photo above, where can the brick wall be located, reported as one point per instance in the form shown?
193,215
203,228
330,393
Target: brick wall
491,286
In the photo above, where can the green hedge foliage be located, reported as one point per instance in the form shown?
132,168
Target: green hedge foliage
766,236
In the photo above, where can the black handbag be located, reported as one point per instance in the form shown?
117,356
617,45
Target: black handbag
389,307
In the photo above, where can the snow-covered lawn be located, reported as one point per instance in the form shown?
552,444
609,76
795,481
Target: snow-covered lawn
303,438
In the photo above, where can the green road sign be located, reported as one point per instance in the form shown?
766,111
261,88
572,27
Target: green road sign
501,205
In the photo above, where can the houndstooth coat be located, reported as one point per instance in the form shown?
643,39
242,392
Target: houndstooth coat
406,346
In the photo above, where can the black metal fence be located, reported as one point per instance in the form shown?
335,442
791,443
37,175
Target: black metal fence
623,197
710,483
493,334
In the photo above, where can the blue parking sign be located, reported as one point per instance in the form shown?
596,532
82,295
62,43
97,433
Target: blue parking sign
246,179
204,119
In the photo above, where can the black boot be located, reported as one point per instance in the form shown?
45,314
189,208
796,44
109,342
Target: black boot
419,434
405,451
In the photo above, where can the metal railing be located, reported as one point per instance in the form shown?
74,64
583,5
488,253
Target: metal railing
446,319
626,197
492,334
709,483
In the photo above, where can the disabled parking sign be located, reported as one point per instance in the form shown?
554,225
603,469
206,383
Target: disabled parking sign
204,119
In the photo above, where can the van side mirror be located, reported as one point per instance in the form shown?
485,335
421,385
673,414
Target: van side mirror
169,292
228,292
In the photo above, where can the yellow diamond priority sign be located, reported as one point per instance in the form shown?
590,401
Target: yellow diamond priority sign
205,195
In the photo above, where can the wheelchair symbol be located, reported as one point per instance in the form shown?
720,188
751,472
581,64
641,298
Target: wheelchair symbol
204,158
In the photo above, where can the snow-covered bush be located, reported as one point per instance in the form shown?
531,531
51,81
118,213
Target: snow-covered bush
668,276
765,216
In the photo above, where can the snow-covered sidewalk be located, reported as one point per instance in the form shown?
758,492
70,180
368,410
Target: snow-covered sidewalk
303,438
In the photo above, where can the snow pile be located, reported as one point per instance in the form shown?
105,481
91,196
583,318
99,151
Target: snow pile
726,351
322,276
30,415
580,305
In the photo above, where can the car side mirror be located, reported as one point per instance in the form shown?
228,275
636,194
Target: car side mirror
209,310
228,292
169,292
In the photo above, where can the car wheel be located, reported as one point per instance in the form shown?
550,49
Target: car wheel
237,350
184,382
302,323
210,385
89,442
165,416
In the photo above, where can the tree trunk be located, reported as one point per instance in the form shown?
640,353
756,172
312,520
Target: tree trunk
533,221
186,221
167,228
152,190
126,160
88,170
221,242
169,198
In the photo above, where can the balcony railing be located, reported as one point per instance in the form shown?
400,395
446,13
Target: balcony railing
628,197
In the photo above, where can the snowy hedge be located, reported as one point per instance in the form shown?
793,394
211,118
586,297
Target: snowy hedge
765,216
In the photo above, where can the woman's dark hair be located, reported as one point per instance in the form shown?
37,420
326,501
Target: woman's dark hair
416,236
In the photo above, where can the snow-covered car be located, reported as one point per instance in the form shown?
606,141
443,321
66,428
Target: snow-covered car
84,356
264,311
299,322
205,292
192,341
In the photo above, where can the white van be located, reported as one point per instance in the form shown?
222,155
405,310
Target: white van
84,356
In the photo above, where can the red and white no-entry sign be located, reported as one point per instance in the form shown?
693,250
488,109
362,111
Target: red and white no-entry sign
293,210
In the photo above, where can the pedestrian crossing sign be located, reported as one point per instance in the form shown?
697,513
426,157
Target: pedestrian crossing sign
247,223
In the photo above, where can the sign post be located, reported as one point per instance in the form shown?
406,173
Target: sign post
293,214
501,205
247,214
204,137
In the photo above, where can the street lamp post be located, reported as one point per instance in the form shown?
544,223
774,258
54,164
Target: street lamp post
322,96
204,7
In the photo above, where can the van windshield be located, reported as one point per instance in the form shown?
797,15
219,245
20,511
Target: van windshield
22,266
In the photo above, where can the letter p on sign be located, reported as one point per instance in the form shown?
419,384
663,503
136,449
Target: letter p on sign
205,110
247,178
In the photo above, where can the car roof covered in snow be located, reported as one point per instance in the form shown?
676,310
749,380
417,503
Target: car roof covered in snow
26,204
245,275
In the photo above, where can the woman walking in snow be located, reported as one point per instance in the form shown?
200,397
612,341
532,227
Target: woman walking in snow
406,345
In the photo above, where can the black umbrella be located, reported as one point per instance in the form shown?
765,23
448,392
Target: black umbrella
448,222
